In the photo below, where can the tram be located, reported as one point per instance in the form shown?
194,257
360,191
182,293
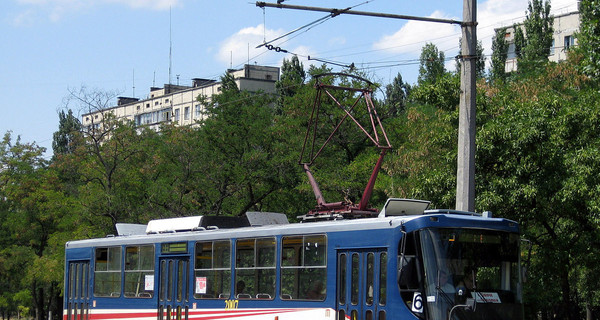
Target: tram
405,263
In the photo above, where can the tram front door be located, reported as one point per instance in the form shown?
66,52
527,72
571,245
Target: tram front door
78,290
173,293
362,284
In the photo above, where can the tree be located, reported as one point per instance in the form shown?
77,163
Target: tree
241,153
110,185
499,56
480,65
68,135
519,40
588,38
538,36
34,206
228,83
292,77
444,94
396,94
537,156
431,64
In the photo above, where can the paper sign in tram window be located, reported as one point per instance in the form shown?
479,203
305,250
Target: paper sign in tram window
201,285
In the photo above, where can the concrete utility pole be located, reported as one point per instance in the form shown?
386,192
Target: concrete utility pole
465,174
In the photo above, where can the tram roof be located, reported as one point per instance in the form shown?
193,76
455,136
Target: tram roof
378,223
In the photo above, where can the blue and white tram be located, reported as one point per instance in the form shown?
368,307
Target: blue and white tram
408,263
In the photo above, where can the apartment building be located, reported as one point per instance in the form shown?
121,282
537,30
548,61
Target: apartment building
179,104
565,27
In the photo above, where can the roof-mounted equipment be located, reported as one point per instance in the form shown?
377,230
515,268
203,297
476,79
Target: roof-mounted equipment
374,132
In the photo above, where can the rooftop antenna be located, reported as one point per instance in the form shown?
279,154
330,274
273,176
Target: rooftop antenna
133,82
170,46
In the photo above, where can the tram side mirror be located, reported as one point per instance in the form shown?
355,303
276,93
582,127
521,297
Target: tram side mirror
470,304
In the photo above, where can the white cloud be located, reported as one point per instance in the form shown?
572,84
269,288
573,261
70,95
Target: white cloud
337,41
25,18
415,34
241,46
491,14
146,4
55,10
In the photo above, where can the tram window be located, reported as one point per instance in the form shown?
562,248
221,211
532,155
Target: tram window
370,277
342,279
255,268
382,278
84,281
213,270
107,272
78,282
72,281
304,267
180,274
139,271
354,281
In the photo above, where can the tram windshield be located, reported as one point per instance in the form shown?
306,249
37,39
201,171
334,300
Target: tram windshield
470,265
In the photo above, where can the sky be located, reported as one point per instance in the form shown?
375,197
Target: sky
52,47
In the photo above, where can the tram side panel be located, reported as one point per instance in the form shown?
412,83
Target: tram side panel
356,289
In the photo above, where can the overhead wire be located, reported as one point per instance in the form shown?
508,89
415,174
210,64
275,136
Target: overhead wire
385,62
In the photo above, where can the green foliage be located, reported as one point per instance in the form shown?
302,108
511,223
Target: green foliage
535,48
423,163
444,94
396,95
588,38
291,80
536,164
228,83
499,56
480,64
431,64
68,135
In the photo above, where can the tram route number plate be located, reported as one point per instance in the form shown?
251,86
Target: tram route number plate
417,303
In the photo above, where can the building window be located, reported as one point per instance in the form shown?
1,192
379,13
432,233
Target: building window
176,115
213,270
569,41
552,47
107,273
186,113
147,105
139,271
304,267
197,111
511,54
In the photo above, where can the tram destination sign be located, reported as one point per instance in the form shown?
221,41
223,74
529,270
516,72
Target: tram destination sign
173,247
